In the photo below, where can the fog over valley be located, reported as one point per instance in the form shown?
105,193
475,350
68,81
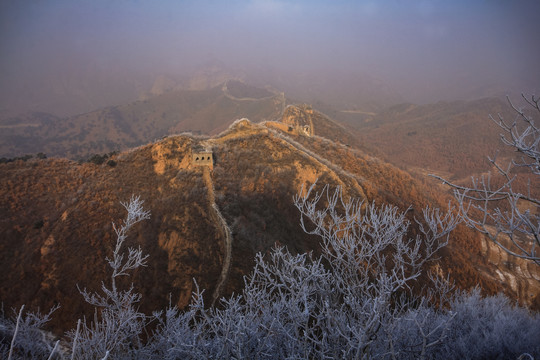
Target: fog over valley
66,57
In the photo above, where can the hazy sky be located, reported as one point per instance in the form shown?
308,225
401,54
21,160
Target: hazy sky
423,49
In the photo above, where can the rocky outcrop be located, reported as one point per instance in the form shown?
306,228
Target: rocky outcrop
522,276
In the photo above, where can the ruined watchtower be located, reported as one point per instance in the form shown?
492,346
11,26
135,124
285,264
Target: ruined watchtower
299,119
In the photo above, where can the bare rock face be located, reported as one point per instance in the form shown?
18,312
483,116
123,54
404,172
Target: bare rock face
521,275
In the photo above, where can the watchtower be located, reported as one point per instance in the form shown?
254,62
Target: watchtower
202,158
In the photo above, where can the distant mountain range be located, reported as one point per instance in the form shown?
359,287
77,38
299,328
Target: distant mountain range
73,91
451,138
120,127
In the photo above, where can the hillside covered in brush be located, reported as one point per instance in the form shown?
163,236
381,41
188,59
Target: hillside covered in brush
207,222
452,138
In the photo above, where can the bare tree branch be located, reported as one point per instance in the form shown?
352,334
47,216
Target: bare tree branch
496,211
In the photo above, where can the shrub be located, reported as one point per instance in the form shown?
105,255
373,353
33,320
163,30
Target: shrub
117,331
22,337
97,159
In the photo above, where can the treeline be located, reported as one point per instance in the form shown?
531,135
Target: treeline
97,159
40,155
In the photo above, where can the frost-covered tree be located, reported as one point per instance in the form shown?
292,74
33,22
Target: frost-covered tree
354,301
22,336
371,258
490,328
343,304
117,327
508,217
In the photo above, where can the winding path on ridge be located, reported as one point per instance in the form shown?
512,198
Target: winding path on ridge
280,96
225,231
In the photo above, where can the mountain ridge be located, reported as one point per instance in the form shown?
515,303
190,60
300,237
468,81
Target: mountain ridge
56,216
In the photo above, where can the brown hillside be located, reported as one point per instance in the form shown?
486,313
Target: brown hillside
451,138
56,216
